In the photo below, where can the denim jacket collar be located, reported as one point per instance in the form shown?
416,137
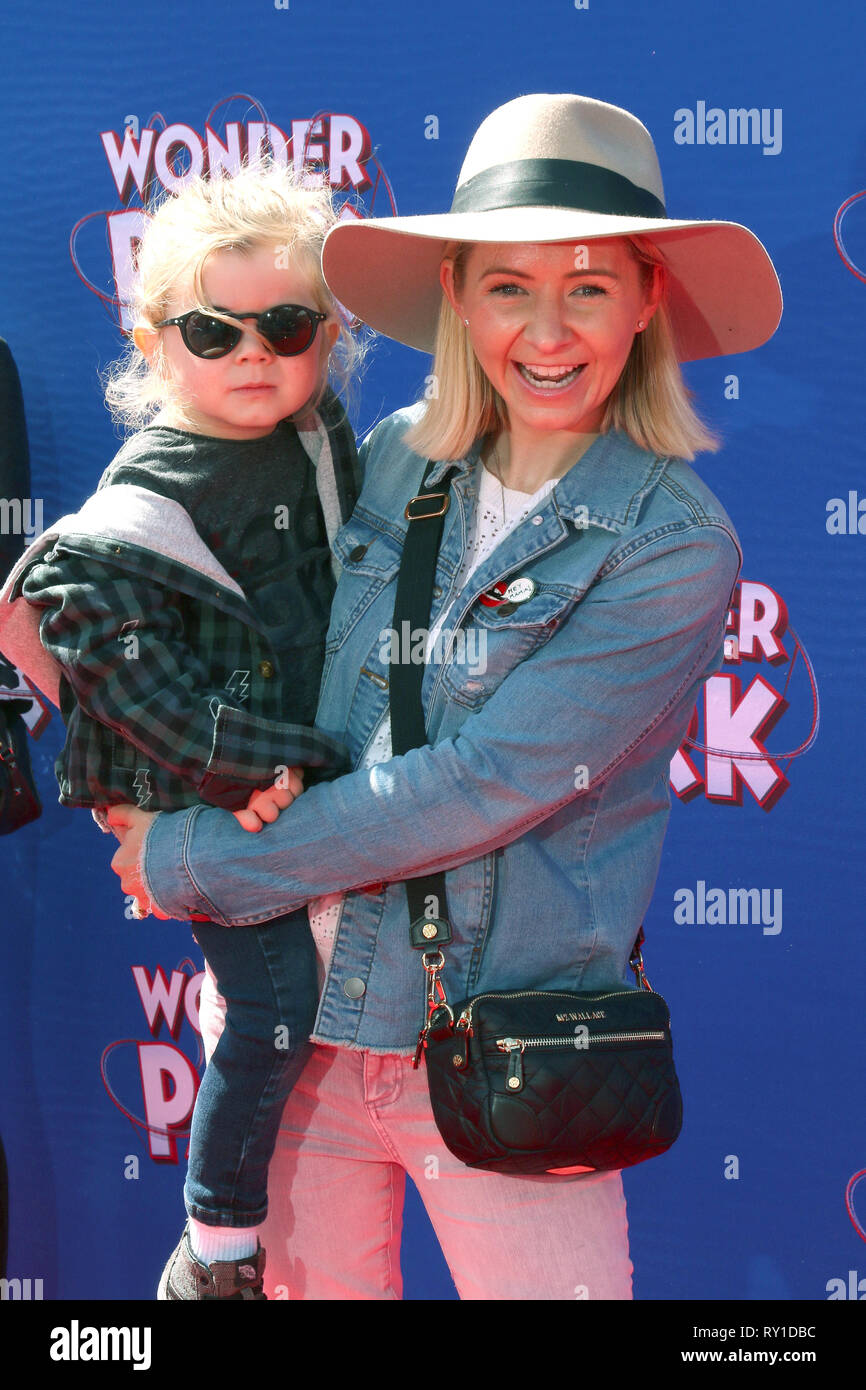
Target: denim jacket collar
606,487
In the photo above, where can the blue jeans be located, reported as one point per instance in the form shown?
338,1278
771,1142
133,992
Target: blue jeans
267,974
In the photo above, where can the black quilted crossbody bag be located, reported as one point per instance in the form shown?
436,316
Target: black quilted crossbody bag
524,1081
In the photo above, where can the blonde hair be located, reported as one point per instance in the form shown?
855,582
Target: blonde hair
651,402
259,206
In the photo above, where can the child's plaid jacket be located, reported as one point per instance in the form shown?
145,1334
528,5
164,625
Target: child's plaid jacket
126,620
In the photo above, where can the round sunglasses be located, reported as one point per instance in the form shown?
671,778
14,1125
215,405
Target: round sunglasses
289,328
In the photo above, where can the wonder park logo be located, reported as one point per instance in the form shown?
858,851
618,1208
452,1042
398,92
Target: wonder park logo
853,248
153,155
154,1082
737,721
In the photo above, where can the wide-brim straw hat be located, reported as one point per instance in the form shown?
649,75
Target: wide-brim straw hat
548,168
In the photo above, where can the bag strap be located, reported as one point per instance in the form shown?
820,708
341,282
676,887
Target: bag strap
428,909
429,927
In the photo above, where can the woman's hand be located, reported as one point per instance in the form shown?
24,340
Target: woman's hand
130,825
265,805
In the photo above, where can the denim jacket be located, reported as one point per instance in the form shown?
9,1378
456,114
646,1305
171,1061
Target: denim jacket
544,791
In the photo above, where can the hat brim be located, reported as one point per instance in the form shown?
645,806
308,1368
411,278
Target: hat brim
724,293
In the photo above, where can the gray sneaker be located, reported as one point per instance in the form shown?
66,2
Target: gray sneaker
185,1277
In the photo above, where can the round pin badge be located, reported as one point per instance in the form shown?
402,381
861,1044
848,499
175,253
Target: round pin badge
519,590
494,596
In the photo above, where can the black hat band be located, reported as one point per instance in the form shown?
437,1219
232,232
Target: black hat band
564,183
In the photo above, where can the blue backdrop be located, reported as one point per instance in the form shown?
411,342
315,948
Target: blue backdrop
763,985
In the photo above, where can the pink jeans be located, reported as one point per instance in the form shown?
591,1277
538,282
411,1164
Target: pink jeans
355,1124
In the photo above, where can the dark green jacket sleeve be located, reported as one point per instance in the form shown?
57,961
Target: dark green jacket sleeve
119,640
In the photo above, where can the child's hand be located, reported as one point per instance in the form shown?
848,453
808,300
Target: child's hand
265,805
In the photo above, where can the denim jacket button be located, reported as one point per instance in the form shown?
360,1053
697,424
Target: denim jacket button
354,987
537,520
358,553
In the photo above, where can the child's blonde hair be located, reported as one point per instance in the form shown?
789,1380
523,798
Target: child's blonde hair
651,401
263,205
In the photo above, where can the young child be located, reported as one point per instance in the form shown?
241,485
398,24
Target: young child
182,616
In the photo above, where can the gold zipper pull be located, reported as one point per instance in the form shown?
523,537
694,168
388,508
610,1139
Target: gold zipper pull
514,1075
460,1049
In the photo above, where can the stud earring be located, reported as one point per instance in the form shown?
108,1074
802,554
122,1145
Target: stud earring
640,323
466,321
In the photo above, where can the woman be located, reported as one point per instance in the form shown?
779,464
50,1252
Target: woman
560,298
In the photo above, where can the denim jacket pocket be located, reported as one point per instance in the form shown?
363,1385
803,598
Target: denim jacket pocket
370,558
491,641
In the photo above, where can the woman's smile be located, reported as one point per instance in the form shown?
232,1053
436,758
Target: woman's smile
549,378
